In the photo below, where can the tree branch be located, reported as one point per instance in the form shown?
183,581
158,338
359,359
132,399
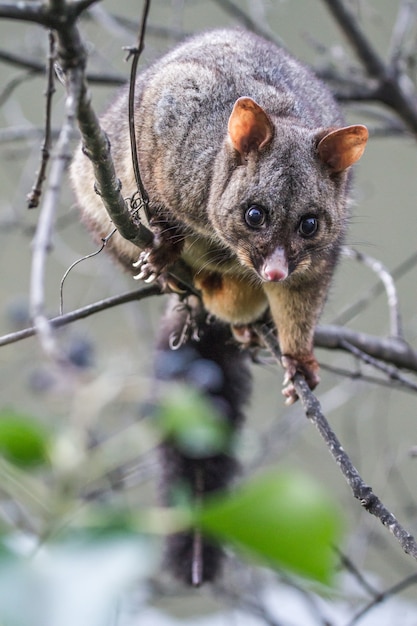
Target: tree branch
32,11
38,67
361,491
42,239
86,311
388,370
395,88
33,197
354,309
395,351
388,282
381,597
372,62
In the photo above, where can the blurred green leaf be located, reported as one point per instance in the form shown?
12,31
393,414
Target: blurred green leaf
283,518
22,440
191,421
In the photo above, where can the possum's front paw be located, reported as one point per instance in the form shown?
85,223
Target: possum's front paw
148,271
305,365
154,261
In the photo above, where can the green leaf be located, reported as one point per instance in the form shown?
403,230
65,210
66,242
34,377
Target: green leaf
190,420
22,440
285,519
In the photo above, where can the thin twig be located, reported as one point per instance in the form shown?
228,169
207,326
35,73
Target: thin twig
242,16
361,580
35,194
24,133
381,597
354,309
12,84
347,21
392,350
136,52
404,24
389,285
390,371
42,240
358,375
71,267
38,67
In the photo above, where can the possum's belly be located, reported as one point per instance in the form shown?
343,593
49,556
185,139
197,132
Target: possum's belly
230,291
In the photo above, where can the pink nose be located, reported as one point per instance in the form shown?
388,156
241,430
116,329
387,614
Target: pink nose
275,267
274,274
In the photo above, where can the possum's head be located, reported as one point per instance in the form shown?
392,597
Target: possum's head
281,203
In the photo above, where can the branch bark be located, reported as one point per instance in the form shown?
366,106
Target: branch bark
361,491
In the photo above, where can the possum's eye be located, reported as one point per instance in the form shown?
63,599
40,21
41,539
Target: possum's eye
255,216
308,226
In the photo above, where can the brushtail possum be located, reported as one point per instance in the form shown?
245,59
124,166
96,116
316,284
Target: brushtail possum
245,157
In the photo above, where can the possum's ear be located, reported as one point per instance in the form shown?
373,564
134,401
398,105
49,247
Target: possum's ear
341,148
249,127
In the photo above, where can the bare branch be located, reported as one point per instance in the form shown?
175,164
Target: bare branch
242,16
389,285
26,133
31,11
391,372
136,52
33,198
395,89
360,490
404,24
372,62
381,597
354,309
12,84
38,67
42,240
78,314
363,582
395,351
95,143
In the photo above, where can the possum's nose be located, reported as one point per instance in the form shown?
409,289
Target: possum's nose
275,267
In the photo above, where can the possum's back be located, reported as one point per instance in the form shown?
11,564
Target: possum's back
222,65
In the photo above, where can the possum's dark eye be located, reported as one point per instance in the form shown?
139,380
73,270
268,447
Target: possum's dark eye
308,226
255,216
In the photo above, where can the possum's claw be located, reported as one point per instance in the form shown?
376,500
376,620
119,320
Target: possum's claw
146,268
154,261
143,258
305,365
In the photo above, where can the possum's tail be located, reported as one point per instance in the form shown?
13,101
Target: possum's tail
210,360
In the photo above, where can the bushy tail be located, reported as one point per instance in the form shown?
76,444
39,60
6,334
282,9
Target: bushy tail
210,360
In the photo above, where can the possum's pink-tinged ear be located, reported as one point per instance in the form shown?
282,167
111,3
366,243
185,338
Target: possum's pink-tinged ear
249,126
341,148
